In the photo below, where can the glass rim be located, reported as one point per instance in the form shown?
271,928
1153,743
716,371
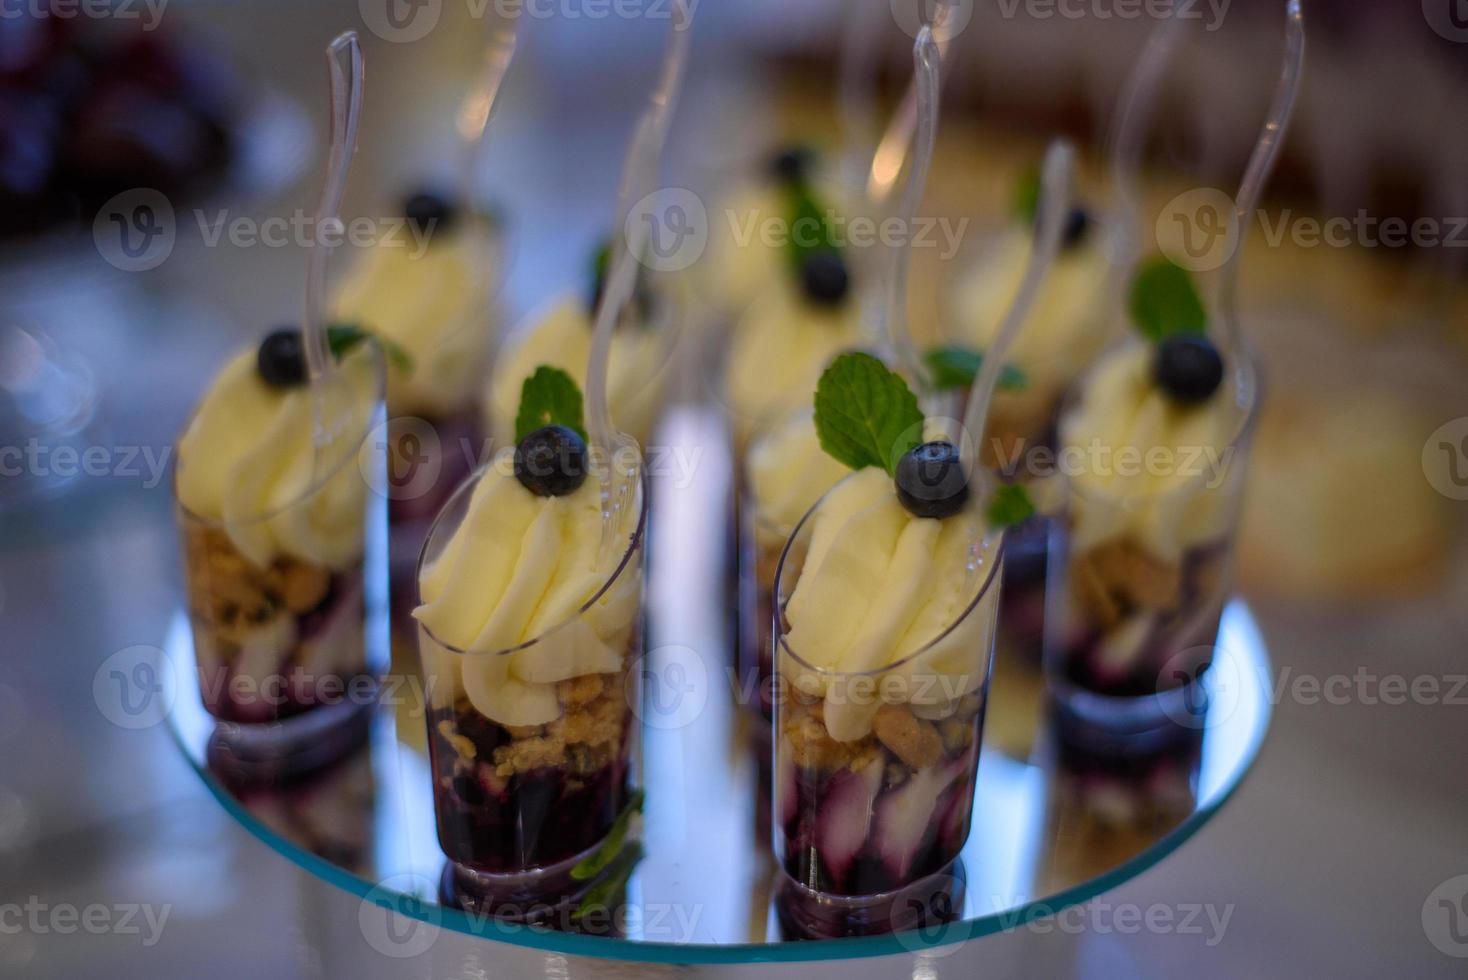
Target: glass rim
466,487
1245,374
991,580
318,480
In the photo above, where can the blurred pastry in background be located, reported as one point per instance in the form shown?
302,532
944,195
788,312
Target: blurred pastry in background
1338,506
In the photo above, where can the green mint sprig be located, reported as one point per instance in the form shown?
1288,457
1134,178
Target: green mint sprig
866,415
342,337
951,366
1164,302
1010,505
1025,198
549,397
596,862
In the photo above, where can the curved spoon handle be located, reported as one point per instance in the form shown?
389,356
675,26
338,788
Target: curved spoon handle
345,82
639,173
1261,164
1129,133
1055,198
891,152
480,101
926,82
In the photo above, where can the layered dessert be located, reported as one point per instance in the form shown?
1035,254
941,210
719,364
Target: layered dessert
274,509
1064,330
560,337
1157,436
428,291
743,263
528,627
797,315
886,598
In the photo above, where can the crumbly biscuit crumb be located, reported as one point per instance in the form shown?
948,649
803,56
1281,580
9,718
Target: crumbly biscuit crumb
914,741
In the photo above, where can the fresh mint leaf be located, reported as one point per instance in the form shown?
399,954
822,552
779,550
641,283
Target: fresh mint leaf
1025,200
1009,506
549,397
952,367
596,862
866,415
342,337
599,898
1164,301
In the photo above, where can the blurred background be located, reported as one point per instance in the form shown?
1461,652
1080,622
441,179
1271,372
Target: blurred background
1353,547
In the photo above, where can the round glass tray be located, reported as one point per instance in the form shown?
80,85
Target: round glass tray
1052,826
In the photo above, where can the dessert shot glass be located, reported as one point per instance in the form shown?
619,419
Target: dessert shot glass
868,827
288,605
1138,582
521,809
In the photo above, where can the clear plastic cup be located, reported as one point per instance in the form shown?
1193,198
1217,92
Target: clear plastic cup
519,806
863,827
1138,583
288,607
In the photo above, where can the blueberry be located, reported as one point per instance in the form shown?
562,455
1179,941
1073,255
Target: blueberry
792,165
1187,368
551,461
930,480
1077,224
281,360
429,213
824,278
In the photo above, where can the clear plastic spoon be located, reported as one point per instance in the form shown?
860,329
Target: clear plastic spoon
925,87
1256,174
892,150
1129,132
639,174
480,101
344,73
1054,208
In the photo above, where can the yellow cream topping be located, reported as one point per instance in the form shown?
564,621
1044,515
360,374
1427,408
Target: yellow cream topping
788,471
636,371
778,351
434,302
248,459
519,568
1141,465
1065,326
877,586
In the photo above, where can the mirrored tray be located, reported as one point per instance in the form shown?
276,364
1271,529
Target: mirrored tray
1052,826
